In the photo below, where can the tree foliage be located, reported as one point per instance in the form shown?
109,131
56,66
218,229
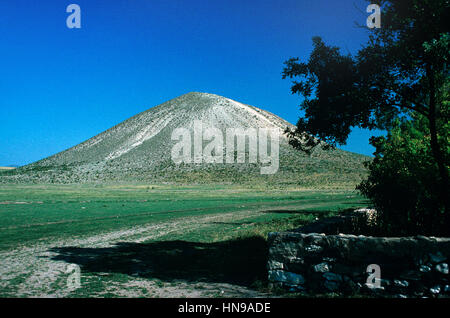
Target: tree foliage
397,82
402,181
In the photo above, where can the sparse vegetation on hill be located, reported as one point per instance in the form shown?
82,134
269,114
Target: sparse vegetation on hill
139,150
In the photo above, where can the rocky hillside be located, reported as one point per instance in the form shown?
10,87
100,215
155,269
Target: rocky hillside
139,150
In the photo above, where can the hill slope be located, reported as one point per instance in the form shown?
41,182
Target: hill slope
139,150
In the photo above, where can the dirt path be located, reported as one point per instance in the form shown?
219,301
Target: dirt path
31,272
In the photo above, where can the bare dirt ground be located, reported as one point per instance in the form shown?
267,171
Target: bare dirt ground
30,271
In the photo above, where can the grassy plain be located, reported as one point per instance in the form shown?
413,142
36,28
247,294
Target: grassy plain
149,240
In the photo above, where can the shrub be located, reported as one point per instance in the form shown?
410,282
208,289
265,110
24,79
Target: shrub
402,180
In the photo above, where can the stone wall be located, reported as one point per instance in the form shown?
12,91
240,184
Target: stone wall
320,263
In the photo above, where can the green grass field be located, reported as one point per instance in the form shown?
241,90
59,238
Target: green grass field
149,240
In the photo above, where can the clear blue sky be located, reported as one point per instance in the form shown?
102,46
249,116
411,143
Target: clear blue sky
60,86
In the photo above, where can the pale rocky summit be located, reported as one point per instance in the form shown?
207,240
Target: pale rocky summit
139,149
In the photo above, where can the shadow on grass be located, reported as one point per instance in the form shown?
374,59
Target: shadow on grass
241,261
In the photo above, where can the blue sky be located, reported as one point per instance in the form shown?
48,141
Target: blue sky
61,86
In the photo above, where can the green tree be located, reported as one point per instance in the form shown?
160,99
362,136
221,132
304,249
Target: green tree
400,76
402,181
